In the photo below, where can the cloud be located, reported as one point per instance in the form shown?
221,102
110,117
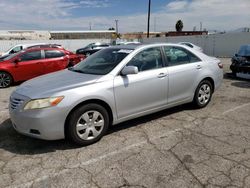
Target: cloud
176,5
59,15
94,3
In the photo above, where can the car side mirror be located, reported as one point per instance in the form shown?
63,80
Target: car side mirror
17,60
236,55
129,70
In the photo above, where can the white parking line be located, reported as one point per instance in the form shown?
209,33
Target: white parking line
235,108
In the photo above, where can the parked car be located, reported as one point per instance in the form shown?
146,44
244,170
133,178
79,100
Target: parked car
191,45
18,48
33,62
92,48
111,86
241,61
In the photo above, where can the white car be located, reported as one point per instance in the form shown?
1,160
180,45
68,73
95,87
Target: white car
191,45
113,85
18,48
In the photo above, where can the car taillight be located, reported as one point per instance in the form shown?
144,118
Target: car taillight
220,65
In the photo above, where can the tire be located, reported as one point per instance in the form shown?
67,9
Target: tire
5,79
83,128
234,73
70,64
203,94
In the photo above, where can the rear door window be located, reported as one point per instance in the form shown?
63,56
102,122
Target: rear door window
179,56
53,53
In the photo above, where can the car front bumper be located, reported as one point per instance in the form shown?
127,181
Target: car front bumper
243,68
47,123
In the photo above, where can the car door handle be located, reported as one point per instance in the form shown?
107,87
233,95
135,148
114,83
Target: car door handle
198,67
162,75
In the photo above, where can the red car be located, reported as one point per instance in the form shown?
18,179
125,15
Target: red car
35,62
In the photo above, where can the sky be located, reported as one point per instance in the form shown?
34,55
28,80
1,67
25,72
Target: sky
222,15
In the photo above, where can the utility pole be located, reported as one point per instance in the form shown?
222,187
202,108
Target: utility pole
116,26
149,6
200,26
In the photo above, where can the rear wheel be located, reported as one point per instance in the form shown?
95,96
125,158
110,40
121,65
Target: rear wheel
70,64
203,94
5,79
87,124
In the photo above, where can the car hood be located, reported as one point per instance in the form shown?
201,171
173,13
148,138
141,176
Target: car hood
48,85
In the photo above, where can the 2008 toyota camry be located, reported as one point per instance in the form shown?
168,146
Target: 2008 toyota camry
113,85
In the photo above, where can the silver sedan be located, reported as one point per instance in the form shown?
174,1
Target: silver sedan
113,85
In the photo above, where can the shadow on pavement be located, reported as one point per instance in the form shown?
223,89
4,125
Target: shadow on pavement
230,76
16,143
241,84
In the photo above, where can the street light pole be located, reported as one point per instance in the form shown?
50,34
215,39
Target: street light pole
149,6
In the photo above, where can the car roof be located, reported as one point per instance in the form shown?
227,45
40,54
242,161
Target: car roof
44,48
136,46
129,47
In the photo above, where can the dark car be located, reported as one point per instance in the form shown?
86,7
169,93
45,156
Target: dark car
241,60
92,48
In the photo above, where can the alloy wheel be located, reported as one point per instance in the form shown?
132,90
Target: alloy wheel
5,80
204,94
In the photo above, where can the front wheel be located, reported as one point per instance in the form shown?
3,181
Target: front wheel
203,94
5,79
87,124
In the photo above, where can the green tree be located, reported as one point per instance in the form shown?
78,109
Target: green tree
111,29
179,26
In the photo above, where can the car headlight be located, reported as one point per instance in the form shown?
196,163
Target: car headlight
43,103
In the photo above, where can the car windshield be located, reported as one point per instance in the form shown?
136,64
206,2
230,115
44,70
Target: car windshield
102,62
244,50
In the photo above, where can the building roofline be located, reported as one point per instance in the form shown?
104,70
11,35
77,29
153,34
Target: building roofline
89,31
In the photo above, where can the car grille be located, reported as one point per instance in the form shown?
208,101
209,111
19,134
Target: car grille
15,103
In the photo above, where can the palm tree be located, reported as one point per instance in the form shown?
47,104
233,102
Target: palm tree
179,26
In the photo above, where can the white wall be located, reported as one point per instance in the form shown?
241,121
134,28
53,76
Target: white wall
222,45
71,45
